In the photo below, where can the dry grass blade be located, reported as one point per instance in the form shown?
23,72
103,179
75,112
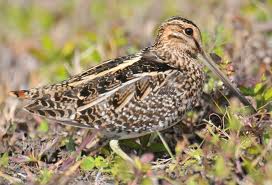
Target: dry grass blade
12,180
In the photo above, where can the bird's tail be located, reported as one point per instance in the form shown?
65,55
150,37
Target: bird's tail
20,93
25,94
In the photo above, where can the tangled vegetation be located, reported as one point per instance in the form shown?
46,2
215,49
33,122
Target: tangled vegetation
219,142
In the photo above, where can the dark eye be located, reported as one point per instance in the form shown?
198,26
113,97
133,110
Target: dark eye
189,31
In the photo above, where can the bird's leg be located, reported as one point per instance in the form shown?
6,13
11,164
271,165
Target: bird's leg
116,148
93,139
99,143
71,159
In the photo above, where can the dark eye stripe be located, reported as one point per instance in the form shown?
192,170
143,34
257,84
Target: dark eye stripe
197,45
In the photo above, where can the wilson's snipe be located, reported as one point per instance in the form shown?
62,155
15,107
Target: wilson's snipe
133,95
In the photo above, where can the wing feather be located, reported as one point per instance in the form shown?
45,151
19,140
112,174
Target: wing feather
110,106
100,70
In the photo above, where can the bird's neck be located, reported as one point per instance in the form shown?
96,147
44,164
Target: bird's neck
181,59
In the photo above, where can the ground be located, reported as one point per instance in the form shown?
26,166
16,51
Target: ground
219,142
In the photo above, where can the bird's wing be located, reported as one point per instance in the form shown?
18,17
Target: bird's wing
110,106
77,80
77,101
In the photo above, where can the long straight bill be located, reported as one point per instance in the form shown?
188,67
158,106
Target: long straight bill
212,66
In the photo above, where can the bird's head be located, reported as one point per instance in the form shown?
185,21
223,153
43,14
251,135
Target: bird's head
180,35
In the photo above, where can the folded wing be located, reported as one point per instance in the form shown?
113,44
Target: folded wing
87,99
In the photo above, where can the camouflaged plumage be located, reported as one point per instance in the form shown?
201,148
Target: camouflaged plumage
128,96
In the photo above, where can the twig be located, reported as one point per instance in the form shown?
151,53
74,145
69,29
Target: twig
97,177
166,145
12,180
259,158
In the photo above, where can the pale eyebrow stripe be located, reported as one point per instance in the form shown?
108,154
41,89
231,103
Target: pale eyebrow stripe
176,25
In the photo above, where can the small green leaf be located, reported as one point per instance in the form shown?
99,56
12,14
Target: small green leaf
100,162
157,147
221,169
96,56
146,181
70,144
196,153
258,88
45,176
268,94
191,181
267,136
131,144
245,142
68,48
234,123
47,43
219,51
43,126
88,163
122,170
61,73
4,160
247,91
254,150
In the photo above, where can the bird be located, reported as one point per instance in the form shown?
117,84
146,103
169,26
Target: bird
134,95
